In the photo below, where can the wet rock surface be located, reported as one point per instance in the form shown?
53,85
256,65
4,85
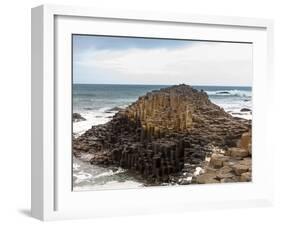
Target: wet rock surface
166,136
245,110
114,109
76,117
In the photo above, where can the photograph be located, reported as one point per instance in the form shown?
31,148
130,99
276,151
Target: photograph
152,111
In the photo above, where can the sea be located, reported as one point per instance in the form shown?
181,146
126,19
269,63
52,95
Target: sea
97,103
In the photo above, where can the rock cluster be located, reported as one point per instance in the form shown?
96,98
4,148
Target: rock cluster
76,117
232,165
163,133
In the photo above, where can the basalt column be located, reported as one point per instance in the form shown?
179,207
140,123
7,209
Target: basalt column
161,132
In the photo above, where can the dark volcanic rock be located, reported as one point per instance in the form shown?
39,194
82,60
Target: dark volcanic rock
223,92
245,110
76,117
113,110
162,132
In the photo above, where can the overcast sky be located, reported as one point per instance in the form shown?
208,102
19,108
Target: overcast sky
118,60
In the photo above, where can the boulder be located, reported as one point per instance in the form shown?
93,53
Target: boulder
240,169
76,117
227,180
225,172
246,161
207,178
217,160
245,110
246,177
245,141
114,109
239,152
250,149
223,92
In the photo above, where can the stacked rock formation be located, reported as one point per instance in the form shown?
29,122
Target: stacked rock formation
162,131
231,165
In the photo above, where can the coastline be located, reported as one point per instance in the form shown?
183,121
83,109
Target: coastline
97,113
188,173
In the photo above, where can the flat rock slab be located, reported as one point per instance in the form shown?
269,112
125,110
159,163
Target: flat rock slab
238,152
225,172
217,160
246,177
240,169
207,178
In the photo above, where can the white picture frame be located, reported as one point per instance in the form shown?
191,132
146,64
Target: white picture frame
52,197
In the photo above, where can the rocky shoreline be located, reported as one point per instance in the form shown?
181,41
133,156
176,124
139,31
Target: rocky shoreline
76,117
231,165
174,135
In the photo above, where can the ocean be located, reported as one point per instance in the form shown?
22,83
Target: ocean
96,103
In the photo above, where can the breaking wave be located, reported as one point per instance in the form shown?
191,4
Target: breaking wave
234,92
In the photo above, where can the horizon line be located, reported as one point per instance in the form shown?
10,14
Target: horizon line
157,84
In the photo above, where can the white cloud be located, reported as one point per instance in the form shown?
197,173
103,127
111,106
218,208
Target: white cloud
203,63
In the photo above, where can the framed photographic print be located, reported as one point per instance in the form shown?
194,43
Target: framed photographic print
136,113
